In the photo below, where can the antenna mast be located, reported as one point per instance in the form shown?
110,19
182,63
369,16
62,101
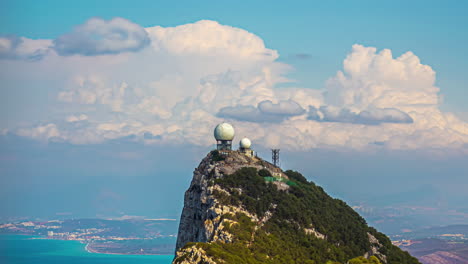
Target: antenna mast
275,157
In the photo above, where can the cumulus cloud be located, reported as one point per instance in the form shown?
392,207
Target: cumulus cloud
266,111
374,116
42,132
282,108
376,79
94,90
76,118
193,76
243,113
13,47
210,38
384,115
97,36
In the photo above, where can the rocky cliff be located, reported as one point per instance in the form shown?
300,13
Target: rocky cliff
241,209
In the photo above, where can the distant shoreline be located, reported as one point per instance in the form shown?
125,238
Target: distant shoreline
94,251
22,249
87,247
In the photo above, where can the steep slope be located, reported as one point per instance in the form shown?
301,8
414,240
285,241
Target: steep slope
241,209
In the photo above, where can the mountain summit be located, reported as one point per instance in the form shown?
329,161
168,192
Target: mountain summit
242,209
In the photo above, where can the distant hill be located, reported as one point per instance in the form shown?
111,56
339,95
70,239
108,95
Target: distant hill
438,245
438,231
439,251
241,209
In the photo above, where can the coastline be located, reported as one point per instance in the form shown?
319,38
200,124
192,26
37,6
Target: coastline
24,249
87,245
94,251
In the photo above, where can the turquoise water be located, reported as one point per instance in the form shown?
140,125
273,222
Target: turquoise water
16,249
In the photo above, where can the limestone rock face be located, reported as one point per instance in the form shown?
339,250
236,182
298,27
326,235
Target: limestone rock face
195,255
375,246
201,217
197,205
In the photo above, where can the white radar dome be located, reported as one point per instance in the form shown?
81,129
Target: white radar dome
245,143
224,131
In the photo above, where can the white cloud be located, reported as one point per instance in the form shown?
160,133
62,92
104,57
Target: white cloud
12,47
192,76
285,108
42,132
210,39
243,113
370,79
97,36
92,90
77,118
111,126
266,111
372,116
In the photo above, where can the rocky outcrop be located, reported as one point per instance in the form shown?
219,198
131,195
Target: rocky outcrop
192,255
211,222
375,248
201,219
312,231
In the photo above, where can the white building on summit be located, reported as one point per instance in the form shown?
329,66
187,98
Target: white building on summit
224,134
244,147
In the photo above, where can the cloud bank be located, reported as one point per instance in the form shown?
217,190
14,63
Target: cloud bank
98,36
266,111
162,85
20,48
374,116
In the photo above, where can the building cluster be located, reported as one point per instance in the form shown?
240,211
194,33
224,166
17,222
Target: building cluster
55,231
224,134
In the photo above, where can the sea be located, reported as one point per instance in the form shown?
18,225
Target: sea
20,249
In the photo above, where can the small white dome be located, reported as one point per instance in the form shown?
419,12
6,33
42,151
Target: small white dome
224,131
245,143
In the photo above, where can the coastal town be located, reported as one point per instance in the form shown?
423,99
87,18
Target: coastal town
129,236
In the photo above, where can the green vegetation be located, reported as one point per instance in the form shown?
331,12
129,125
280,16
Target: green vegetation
264,173
216,156
296,176
283,239
362,260
394,254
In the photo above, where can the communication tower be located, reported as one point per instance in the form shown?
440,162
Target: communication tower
275,157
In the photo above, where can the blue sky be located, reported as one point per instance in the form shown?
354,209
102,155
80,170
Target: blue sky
92,119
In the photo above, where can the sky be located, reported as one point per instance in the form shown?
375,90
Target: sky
107,106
